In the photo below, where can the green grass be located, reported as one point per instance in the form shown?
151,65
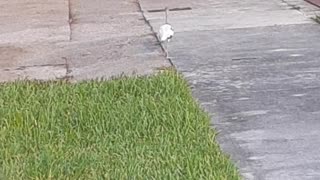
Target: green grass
130,128
316,19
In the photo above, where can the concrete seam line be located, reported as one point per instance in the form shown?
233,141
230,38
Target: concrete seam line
295,6
67,77
70,20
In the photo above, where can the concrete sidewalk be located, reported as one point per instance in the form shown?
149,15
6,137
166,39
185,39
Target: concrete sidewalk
254,66
75,39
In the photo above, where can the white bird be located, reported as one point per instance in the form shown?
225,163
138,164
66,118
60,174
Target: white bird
166,33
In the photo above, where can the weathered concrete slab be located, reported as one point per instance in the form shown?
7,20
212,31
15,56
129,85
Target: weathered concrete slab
101,19
254,67
41,72
110,38
114,56
33,21
204,20
29,33
77,39
261,87
304,7
210,15
41,61
110,27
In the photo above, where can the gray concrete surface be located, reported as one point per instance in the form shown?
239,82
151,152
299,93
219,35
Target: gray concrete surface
75,39
303,7
254,66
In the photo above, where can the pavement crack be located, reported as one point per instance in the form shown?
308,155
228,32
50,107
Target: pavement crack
244,58
68,75
173,9
41,65
70,19
293,6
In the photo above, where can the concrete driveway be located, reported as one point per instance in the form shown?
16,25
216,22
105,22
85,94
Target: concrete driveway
254,66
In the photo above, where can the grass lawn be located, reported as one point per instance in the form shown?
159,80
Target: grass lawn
130,128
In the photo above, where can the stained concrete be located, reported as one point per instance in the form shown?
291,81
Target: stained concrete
261,87
33,21
75,39
254,66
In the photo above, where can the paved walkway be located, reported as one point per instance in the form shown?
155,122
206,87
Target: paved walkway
75,39
254,66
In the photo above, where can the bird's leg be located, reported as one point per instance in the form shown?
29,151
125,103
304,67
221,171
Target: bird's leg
167,52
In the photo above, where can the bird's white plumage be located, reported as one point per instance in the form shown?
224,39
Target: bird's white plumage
166,32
